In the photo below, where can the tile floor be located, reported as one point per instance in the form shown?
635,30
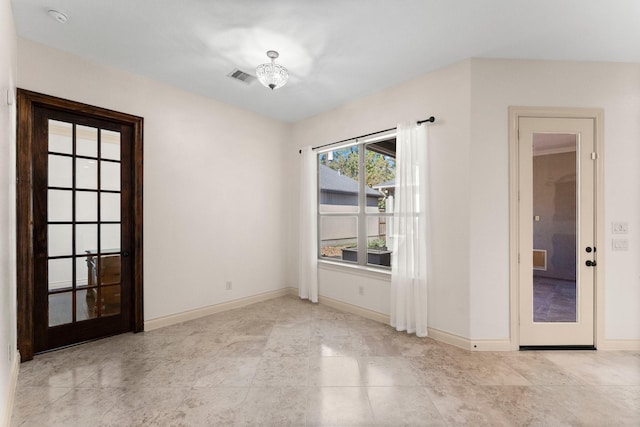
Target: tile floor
288,362
554,300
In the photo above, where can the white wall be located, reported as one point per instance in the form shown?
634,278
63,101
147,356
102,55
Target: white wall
8,72
469,291
213,182
444,94
497,84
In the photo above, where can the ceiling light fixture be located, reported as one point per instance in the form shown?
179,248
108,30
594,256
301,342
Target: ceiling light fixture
272,75
58,16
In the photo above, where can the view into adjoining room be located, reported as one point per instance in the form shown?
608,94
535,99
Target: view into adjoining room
554,227
83,214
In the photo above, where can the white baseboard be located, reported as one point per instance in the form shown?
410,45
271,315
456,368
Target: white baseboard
468,344
445,337
185,316
619,345
11,390
449,338
354,309
491,345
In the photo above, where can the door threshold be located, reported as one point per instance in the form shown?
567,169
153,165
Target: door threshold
556,347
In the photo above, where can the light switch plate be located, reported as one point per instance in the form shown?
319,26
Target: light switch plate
619,228
620,244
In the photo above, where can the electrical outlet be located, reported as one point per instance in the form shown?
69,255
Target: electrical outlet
360,290
619,228
229,285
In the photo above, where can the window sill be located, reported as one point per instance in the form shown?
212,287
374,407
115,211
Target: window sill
360,270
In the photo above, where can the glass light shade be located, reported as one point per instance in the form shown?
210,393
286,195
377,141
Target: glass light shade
272,75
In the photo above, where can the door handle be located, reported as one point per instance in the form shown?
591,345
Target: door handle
590,263
589,249
125,253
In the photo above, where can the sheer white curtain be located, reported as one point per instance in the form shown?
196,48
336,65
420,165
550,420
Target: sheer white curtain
308,253
409,257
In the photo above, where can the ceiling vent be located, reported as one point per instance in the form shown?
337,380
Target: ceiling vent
241,76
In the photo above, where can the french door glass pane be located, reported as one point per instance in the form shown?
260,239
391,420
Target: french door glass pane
60,171
60,308
60,272
87,174
86,238
83,267
59,239
554,227
59,205
86,141
60,137
85,304
110,206
86,206
110,300
109,144
110,176
110,266
110,237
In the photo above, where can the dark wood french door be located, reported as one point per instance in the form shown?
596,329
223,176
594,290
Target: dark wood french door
85,229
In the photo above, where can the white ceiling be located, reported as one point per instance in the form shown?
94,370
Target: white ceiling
335,50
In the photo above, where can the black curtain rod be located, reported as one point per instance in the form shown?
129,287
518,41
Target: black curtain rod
419,122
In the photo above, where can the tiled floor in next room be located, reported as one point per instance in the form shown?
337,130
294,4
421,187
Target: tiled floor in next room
288,362
554,300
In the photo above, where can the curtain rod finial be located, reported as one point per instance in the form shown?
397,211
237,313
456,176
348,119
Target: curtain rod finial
430,120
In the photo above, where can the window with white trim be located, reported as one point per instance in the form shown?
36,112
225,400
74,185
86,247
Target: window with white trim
355,201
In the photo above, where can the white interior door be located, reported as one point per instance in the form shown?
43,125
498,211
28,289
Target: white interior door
556,231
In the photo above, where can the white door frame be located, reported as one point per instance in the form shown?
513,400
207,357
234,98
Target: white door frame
515,113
